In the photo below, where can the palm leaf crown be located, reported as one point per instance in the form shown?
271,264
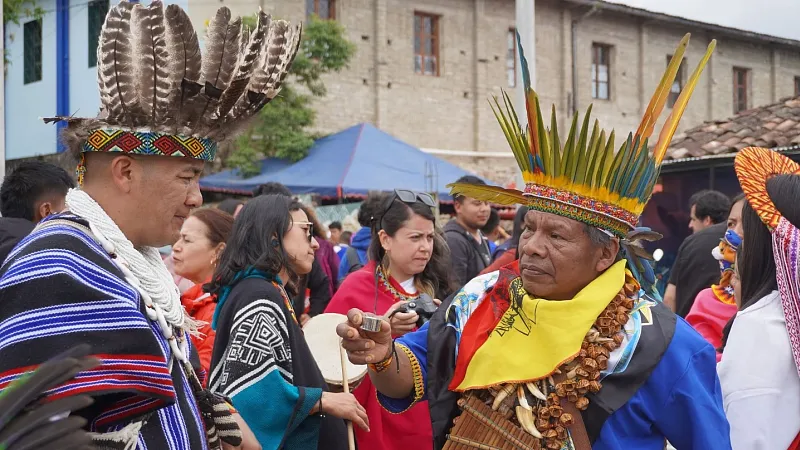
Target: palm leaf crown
582,177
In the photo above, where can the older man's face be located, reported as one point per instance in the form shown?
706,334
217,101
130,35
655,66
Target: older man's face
557,258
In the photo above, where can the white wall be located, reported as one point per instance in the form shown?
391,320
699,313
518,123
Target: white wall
84,98
26,135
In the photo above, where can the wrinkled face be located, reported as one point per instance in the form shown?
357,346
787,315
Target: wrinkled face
557,257
735,218
696,224
299,244
194,255
166,189
474,213
411,247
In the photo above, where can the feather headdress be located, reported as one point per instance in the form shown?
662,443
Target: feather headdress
160,96
583,177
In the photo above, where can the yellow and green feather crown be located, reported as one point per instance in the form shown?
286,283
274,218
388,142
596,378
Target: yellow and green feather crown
582,177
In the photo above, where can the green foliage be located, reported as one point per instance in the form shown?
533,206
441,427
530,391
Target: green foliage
16,10
282,128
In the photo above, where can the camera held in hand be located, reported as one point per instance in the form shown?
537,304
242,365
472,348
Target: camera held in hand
423,306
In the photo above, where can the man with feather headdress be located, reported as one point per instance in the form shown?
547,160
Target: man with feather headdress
94,274
569,347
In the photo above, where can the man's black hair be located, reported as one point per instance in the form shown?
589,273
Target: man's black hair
335,225
471,179
272,188
31,180
713,204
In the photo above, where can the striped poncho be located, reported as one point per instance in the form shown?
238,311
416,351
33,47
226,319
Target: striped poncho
59,288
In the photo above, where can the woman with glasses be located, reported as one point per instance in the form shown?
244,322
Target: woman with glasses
407,258
260,358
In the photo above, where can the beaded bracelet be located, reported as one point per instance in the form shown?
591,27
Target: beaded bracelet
383,365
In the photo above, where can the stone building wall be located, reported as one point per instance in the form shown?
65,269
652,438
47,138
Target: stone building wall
451,111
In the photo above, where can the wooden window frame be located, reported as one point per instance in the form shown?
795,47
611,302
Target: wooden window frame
435,40
315,9
680,78
738,104
513,32
596,63
32,53
94,34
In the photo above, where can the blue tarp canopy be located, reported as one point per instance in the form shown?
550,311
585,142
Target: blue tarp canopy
229,180
353,162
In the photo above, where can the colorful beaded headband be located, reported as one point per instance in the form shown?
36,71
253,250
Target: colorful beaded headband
149,143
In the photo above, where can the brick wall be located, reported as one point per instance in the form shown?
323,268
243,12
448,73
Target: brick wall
452,111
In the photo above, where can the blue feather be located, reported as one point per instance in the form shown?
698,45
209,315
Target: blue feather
539,162
526,77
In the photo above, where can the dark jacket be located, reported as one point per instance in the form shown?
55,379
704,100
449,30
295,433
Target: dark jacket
695,268
469,257
315,284
12,230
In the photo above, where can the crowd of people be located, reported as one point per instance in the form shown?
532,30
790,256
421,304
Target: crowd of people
162,324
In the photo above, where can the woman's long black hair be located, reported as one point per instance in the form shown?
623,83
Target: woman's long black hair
256,240
435,279
756,260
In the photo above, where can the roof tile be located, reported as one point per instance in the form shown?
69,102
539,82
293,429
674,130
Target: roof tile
772,125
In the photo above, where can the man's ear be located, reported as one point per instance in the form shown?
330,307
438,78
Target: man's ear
708,222
123,170
43,210
608,255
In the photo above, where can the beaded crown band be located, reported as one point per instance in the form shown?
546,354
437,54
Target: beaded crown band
583,177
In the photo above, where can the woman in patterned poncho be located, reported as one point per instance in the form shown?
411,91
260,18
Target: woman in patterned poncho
260,358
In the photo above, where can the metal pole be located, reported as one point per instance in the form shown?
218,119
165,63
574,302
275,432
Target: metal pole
526,27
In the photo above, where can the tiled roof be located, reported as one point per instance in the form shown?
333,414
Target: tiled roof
775,125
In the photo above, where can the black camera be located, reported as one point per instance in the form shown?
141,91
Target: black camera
423,306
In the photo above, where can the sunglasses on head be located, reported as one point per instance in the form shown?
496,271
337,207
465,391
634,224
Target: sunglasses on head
408,197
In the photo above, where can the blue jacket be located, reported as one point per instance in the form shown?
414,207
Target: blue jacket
360,243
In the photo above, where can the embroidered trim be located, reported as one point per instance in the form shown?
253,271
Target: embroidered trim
384,282
416,371
582,209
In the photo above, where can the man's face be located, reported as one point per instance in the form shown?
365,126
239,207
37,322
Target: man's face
474,213
696,224
167,189
336,234
557,257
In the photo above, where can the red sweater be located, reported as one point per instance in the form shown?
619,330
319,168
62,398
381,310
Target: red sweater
200,306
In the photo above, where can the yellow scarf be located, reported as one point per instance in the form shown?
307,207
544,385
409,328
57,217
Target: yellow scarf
531,341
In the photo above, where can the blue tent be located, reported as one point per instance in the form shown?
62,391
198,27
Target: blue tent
355,161
229,181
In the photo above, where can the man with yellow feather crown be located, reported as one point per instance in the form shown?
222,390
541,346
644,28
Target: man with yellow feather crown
569,347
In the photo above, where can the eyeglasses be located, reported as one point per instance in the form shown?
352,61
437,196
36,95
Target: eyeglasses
408,197
309,230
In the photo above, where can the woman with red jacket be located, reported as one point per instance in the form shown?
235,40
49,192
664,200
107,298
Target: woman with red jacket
195,255
407,258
